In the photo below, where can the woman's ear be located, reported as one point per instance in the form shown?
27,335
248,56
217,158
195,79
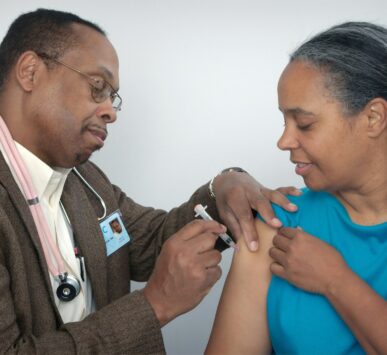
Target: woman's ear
376,113
26,69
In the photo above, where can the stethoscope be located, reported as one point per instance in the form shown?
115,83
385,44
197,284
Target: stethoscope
69,286
102,202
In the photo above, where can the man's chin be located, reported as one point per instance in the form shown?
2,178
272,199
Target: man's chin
82,158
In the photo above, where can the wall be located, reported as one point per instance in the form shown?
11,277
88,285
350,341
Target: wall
198,80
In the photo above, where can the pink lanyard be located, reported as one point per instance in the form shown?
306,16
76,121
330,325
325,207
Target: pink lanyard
49,247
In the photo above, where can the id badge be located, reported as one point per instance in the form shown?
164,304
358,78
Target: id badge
114,232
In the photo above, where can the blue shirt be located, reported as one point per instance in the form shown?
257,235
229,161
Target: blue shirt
304,323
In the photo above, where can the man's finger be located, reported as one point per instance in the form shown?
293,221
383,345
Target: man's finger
202,242
290,190
198,227
279,199
244,220
214,274
263,206
250,232
231,222
210,258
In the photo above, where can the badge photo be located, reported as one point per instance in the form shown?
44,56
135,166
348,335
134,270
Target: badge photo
114,232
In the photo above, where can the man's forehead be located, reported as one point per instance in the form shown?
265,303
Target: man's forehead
94,49
90,38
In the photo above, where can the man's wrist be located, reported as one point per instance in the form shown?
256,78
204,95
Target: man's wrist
158,309
211,189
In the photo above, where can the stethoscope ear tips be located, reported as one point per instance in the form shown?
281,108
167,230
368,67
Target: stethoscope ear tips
69,288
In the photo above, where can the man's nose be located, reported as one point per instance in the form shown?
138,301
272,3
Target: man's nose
107,112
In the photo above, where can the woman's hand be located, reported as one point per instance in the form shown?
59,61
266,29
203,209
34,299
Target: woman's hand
306,261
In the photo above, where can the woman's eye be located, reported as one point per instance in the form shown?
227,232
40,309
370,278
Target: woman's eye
305,127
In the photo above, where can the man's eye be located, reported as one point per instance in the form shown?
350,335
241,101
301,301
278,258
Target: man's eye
101,89
98,93
99,84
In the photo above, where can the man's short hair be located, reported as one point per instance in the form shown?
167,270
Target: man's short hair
42,31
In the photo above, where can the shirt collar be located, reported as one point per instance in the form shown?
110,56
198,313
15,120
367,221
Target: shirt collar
48,182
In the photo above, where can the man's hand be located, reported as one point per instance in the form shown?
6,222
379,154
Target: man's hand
306,261
238,193
185,270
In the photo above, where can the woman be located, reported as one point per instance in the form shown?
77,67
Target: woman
319,285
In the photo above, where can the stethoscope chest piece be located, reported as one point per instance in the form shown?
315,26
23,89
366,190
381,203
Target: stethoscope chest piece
69,287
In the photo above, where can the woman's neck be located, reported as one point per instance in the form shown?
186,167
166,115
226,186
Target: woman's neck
367,205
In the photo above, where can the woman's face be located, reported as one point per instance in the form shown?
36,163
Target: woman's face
329,149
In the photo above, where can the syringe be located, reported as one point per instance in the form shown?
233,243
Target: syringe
201,211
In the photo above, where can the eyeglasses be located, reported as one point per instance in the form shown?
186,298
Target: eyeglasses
100,88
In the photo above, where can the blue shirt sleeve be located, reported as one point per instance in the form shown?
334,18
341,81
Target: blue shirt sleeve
290,219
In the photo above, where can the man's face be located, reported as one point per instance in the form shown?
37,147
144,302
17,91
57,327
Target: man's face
116,227
66,125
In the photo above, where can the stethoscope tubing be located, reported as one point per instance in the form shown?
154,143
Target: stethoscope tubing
94,192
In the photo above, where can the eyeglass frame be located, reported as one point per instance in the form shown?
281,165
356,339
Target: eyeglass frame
113,95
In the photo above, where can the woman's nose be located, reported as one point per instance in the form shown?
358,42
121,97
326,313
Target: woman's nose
288,140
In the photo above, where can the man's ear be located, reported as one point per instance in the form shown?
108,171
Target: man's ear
26,69
376,113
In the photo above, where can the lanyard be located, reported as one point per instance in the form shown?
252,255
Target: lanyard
50,249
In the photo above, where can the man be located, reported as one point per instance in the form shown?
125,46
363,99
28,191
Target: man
116,227
63,287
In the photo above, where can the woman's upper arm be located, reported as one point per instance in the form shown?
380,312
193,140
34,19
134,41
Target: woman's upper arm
240,324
